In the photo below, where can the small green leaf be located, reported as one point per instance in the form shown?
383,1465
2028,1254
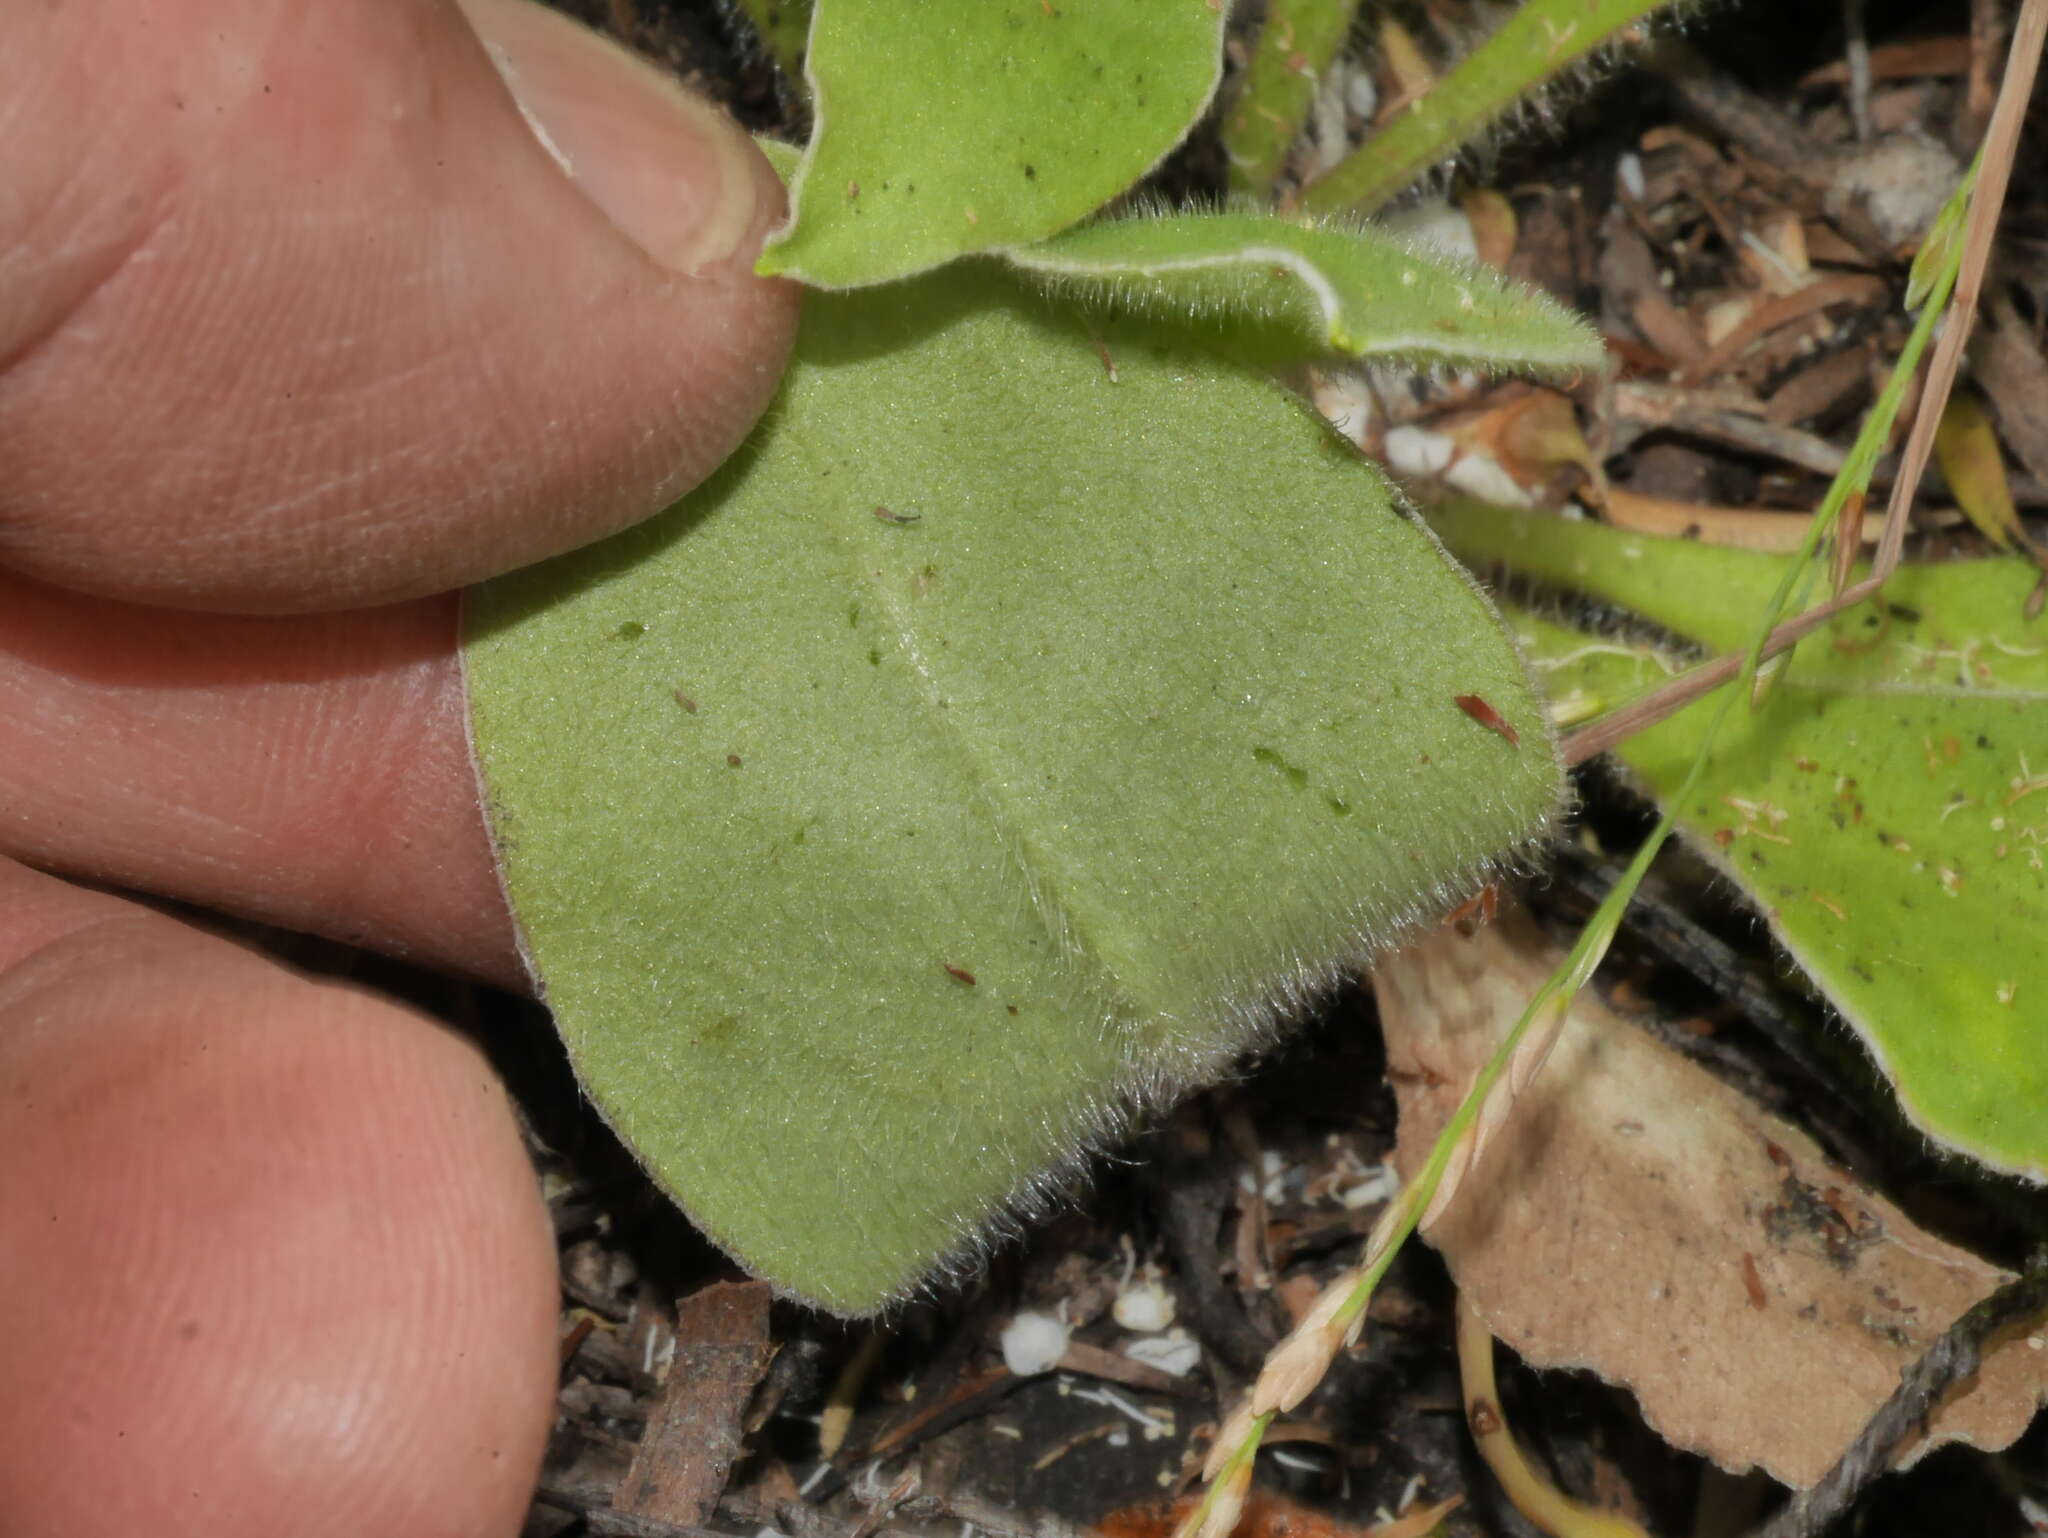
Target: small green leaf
1281,289
946,129
1539,40
987,749
1886,806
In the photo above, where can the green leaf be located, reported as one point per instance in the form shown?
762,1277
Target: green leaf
988,749
1278,289
1541,39
946,129
1886,806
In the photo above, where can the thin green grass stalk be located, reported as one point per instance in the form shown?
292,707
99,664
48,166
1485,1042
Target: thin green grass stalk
1555,995
1295,47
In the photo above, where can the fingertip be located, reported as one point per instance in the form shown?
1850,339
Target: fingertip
676,175
292,1274
353,324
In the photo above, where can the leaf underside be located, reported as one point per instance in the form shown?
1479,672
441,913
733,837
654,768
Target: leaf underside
989,747
943,130
1886,807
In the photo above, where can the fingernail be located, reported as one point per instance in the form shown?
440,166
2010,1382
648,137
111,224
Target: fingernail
675,174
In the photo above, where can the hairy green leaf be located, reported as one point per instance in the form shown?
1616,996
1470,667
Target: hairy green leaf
987,749
946,129
1886,806
1539,40
1273,288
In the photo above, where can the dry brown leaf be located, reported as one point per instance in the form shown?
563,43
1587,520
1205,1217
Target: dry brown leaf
1636,1217
1529,433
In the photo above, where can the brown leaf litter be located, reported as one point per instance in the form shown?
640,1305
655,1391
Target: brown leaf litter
1637,1218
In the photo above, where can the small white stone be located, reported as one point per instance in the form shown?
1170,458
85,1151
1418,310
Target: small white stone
1362,96
1143,1307
1379,1185
1033,1343
1417,451
1629,172
1436,226
1478,475
1175,1352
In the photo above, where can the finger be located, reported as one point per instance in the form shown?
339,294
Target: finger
309,770
301,310
275,1259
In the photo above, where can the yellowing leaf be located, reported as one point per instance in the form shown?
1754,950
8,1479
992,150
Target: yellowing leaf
1966,448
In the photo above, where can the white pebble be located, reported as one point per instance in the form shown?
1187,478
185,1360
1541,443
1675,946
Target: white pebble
1417,451
1033,1343
1362,96
1144,1307
1175,1352
1629,172
1478,476
1436,226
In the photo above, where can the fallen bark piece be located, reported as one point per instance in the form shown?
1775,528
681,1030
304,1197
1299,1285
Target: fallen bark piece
683,1461
1635,1217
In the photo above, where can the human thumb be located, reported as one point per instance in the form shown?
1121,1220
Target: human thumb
319,306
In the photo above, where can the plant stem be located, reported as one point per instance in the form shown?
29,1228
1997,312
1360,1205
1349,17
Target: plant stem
1538,41
1295,47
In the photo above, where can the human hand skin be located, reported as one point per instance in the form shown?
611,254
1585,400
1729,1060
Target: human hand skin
304,322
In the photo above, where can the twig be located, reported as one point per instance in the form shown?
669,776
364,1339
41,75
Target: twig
968,1398
1858,51
1922,1386
881,1502
1624,721
1190,1198
1644,405
1987,202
